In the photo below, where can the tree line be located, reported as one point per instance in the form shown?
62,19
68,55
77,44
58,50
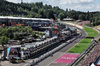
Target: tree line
17,33
7,33
38,10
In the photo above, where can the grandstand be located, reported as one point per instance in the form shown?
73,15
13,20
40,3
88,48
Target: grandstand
93,58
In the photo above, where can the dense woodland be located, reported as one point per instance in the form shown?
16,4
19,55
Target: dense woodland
38,10
17,33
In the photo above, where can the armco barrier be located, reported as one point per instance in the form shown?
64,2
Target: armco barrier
35,61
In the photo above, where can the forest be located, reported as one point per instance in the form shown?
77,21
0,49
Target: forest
40,10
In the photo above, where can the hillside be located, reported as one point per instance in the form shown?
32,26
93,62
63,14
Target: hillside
28,9
38,10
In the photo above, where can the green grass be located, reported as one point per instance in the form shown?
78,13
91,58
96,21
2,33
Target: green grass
78,49
90,32
82,45
85,41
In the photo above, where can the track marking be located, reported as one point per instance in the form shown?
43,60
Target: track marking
66,51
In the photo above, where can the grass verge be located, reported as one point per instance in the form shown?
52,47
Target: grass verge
82,45
78,48
90,32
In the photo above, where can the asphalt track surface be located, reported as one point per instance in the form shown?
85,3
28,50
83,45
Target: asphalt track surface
49,61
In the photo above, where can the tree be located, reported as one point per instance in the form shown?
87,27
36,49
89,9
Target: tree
4,32
39,4
28,29
82,17
38,16
93,20
9,33
50,14
34,9
96,21
61,16
88,15
4,40
41,12
66,9
16,36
